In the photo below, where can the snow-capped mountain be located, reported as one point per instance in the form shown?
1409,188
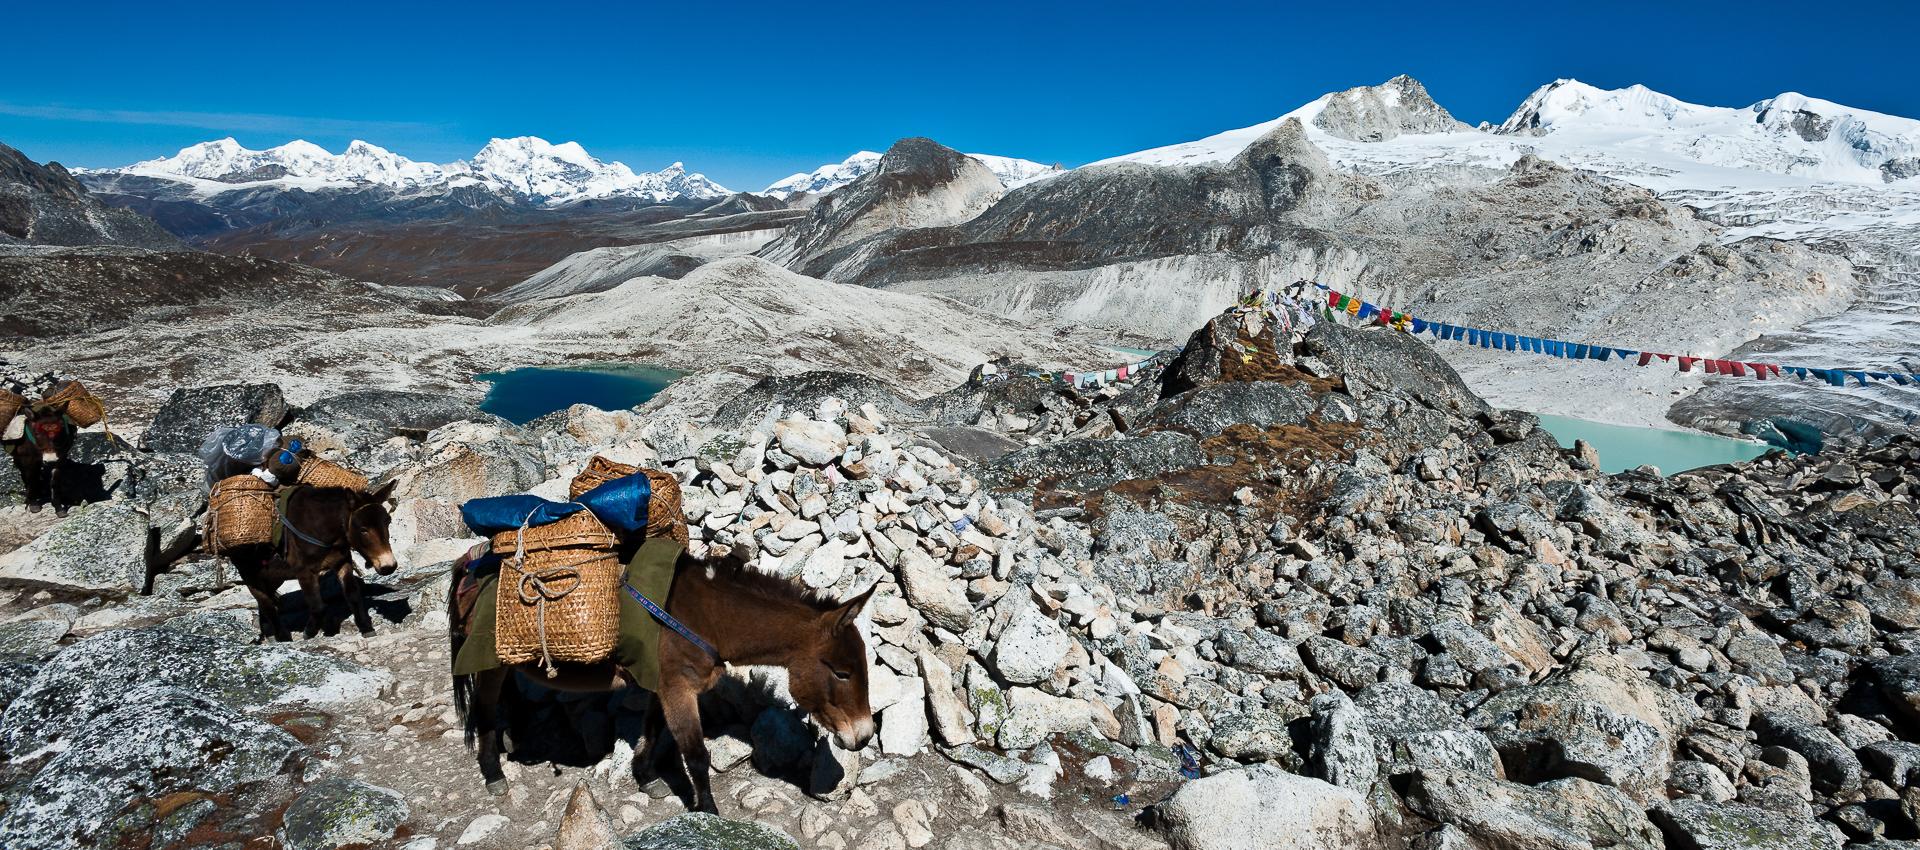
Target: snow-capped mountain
1789,134
526,167
831,176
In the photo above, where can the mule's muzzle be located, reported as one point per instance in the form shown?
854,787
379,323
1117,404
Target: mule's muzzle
855,737
386,565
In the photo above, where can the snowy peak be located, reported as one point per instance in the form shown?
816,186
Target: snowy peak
831,176
1789,134
527,167
1395,108
1378,113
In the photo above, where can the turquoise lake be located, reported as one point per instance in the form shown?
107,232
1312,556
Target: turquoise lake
523,395
1623,447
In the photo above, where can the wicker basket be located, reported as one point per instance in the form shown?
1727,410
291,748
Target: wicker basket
82,407
326,473
240,512
665,518
559,593
11,403
599,471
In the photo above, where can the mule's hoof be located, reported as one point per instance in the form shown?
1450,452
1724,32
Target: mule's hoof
34,509
497,787
60,512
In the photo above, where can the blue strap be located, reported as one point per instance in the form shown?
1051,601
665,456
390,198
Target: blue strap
667,620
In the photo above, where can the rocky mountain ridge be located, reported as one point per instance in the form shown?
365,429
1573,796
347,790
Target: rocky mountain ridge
45,205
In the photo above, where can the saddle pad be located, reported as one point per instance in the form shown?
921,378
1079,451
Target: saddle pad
638,646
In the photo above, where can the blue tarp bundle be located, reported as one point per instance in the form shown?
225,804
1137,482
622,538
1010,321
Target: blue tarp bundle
620,504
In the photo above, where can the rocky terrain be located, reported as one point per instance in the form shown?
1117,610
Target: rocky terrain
1320,597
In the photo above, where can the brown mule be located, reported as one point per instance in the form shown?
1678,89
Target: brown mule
41,455
320,530
750,618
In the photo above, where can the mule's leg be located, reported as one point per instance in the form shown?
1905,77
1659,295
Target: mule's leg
646,760
682,707
54,495
350,587
269,604
310,594
30,467
485,703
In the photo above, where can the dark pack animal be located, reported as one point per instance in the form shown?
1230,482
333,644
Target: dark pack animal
750,618
41,455
320,528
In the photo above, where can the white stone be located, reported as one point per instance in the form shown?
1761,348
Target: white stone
1030,646
811,441
903,726
1266,808
482,828
825,565
1032,715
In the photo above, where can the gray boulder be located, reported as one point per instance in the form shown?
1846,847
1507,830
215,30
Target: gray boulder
1598,719
1081,465
337,811
1031,645
702,831
1565,814
1698,825
203,655
191,413
1209,410
1266,808
471,460
101,548
154,740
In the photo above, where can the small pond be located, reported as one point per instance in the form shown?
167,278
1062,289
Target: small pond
1623,447
523,395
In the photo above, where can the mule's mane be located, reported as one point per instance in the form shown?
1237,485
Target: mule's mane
733,570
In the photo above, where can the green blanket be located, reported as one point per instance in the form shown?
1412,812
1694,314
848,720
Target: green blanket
638,648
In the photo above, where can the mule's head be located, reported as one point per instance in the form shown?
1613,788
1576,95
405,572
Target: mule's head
50,432
829,681
367,529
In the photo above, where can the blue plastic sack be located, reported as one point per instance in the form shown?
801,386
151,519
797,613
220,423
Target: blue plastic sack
620,505
494,514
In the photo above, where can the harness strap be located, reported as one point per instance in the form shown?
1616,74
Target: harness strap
671,623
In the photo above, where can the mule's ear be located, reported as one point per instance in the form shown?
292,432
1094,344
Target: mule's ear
850,610
384,493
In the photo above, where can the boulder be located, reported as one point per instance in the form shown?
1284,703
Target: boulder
702,831
1565,814
1266,808
1209,410
467,460
1831,764
1699,825
1894,603
903,725
191,413
101,548
337,811
1033,715
811,441
209,656
1030,646
102,786
1598,718
928,588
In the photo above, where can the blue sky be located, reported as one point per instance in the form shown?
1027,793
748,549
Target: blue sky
749,92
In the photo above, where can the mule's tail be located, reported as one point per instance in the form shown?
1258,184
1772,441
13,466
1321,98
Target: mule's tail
456,637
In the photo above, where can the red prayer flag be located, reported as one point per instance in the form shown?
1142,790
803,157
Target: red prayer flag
1664,358
1738,370
1713,367
1645,358
1686,363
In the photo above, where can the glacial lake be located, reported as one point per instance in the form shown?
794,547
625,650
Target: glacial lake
523,395
1623,447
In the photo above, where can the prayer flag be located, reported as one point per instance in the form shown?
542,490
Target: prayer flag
1858,376
1624,353
1713,367
1111,376
1367,310
1686,363
1353,306
1599,352
1646,357
1420,326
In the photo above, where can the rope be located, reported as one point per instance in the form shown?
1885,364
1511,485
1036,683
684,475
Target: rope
539,587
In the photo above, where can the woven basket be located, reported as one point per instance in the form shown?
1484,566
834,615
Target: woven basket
599,471
326,473
665,517
240,512
558,597
82,407
11,403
